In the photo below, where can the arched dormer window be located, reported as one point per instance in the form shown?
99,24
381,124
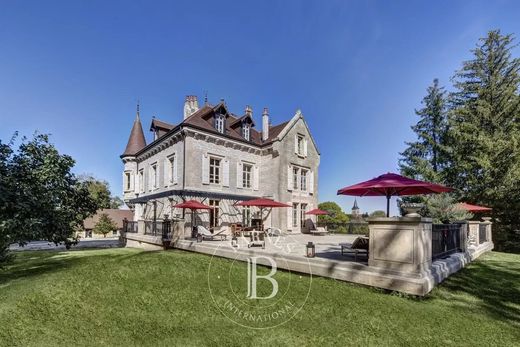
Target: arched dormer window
219,123
246,131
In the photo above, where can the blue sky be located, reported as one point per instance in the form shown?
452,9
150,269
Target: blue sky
357,70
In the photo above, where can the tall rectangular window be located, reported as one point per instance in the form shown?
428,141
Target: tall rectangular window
247,132
154,176
127,181
214,170
246,216
219,123
295,215
141,180
295,178
303,180
246,175
303,209
214,213
300,145
171,173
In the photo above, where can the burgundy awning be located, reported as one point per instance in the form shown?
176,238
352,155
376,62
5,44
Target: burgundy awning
473,208
193,205
392,184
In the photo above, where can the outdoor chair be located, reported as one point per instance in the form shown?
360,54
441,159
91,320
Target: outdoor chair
272,231
317,230
360,245
206,234
257,238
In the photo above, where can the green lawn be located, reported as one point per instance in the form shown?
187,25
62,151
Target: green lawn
129,297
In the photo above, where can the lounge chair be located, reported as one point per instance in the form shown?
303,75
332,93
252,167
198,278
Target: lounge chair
206,234
272,231
315,230
360,245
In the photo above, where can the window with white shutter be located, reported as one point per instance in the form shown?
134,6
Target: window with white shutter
174,171
311,182
256,178
239,175
225,173
205,169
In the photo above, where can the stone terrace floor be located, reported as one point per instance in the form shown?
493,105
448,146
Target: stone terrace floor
327,246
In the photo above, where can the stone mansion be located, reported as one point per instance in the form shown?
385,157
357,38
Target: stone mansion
220,158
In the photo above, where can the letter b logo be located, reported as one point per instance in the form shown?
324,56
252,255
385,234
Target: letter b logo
252,277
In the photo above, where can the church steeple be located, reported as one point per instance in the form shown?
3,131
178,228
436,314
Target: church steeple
136,141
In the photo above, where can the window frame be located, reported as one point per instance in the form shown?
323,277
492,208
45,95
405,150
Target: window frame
215,170
128,178
296,176
171,174
247,176
142,188
303,179
154,174
219,123
300,145
295,214
246,131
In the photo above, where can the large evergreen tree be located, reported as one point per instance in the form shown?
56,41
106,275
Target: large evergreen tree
425,158
484,135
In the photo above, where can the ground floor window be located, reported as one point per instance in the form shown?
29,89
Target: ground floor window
214,213
303,209
295,215
246,216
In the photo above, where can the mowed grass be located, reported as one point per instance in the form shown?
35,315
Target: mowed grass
130,297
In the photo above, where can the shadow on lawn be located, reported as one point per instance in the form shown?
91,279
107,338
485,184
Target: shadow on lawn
35,263
494,282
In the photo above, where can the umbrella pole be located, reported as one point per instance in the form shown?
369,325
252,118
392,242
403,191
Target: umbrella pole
388,205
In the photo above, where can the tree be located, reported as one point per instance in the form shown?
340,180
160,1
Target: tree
105,225
378,213
100,191
41,199
425,158
484,133
336,214
442,208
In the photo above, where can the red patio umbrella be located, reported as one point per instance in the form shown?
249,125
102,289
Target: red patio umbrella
193,205
262,203
473,208
317,212
391,184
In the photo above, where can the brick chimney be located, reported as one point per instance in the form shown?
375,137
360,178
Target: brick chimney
265,124
191,105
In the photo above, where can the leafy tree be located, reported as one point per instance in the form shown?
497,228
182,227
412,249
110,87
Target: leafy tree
105,225
378,213
425,158
484,136
336,214
100,191
41,199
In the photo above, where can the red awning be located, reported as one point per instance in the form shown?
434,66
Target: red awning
317,212
262,203
473,208
392,184
193,205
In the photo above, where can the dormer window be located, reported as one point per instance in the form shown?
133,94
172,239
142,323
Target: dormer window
246,130
219,123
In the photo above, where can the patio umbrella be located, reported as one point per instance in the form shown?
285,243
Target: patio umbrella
317,212
473,208
193,205
391,184
262,203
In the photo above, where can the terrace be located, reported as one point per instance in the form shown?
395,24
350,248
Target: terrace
406,254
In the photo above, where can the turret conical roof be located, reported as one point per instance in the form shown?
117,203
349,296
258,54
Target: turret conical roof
136,141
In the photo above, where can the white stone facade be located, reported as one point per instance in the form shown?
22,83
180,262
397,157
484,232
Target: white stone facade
176,167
